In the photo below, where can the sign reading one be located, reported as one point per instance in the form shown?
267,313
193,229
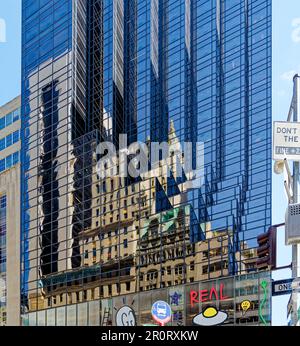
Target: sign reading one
286,141
161,312
282,287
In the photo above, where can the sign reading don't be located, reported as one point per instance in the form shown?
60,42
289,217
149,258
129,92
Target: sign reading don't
286,141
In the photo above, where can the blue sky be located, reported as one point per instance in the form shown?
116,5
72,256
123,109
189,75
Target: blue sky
286,62
10,52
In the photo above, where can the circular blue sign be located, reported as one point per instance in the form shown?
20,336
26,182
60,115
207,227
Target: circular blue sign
161,312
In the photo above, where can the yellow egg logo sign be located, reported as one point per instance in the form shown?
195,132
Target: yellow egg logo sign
210,317
245,304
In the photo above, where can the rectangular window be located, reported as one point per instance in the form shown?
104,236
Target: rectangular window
9,140
9,161
2,144
2,123
15,158
16,114
2,165
8,119
16,136
125,243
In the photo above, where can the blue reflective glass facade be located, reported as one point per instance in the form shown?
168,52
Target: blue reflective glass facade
184,70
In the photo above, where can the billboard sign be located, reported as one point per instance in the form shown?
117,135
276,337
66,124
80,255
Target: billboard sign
286,141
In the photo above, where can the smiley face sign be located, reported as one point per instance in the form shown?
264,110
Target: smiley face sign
245,305
125,317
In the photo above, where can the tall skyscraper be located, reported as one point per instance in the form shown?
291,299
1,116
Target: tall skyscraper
10,145
159,71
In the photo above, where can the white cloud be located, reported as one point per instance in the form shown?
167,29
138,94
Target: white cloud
296,31
2,31
288,75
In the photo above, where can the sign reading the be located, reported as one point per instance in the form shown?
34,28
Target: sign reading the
286,141
161,312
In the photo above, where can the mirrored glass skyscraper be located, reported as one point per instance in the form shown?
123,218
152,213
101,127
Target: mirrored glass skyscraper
159,71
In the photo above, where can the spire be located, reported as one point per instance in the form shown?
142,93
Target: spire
172,133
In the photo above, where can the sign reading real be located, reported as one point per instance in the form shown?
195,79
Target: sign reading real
286,141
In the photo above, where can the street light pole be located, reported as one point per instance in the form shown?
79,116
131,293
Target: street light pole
296,174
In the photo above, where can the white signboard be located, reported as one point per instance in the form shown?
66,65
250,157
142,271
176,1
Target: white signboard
286,141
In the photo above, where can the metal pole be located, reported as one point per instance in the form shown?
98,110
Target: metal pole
296,173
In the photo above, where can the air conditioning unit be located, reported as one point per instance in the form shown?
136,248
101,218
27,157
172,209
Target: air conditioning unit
292,224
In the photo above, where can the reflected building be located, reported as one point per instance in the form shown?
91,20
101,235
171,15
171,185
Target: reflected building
158,71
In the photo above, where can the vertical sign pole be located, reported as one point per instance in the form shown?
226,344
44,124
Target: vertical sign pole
296,173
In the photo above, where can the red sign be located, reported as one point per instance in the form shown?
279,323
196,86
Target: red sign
205,295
